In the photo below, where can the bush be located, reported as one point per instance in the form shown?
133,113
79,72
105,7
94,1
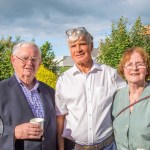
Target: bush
46,76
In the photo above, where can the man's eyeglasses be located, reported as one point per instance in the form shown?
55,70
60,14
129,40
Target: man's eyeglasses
25,60
138,65
76,32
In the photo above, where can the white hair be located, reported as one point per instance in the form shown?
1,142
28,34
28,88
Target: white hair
75,37
24,44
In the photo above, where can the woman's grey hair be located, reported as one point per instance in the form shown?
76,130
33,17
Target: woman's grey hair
24,44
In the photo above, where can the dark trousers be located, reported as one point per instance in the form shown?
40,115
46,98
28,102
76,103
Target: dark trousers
69,145
107,144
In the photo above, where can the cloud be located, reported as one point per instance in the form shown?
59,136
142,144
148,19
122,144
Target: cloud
48,19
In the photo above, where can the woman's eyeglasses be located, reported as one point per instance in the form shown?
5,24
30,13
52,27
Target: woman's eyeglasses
137,65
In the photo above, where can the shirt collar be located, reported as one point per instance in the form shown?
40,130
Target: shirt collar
22,84
95,67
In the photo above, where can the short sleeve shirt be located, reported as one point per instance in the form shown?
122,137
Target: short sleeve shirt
86,99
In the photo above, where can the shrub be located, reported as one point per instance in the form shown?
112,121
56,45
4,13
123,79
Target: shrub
46,76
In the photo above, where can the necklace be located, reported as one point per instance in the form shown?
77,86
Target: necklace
135,96
133,99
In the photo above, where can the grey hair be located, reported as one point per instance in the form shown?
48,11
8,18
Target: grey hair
89,38
24,44
75,37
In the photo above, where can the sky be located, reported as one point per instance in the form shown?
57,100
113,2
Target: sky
47,20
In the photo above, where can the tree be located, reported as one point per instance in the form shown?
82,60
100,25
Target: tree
6,46
139,37
121,38
48,57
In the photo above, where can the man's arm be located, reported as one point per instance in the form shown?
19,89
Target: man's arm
60,127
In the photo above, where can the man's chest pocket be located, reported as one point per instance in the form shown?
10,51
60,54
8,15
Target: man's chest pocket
103,96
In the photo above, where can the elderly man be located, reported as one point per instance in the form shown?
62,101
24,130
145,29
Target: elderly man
22,98
84,96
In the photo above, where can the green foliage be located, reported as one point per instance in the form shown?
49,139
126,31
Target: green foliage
46,76
63,69
5,64
121,38
138,36
48,57
6,46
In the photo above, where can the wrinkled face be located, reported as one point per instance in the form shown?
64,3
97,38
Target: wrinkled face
135,70
26,62
81,51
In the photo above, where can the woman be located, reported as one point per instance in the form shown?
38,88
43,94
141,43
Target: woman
132,125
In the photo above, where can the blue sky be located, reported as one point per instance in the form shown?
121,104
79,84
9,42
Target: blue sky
47,20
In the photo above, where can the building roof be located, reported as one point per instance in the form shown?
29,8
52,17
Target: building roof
67,61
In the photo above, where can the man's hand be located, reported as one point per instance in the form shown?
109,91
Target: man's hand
28,131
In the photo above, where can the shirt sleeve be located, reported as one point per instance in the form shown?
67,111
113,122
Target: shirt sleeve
61,108
120,83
